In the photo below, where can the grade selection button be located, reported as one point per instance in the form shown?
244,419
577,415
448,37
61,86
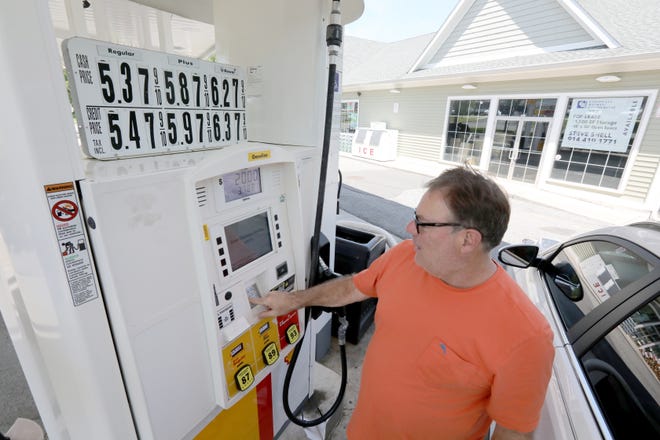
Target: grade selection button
244,378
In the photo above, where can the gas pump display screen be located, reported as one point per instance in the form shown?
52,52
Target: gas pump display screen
248,240
241,184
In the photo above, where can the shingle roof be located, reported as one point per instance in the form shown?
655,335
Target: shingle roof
635,24
369,61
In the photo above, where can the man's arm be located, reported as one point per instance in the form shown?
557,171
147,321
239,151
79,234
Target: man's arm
502,433
334,293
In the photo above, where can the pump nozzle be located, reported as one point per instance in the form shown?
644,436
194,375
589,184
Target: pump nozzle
333,35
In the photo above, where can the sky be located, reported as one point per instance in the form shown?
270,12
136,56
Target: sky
394,20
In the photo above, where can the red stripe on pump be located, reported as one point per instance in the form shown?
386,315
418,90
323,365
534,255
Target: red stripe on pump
265,408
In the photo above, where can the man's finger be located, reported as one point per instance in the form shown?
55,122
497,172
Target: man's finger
259,301
268,313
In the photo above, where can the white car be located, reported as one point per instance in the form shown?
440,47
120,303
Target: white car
600,292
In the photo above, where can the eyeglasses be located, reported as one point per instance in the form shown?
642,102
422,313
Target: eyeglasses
437,225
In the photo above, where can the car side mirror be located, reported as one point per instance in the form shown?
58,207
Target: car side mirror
519,255
567,280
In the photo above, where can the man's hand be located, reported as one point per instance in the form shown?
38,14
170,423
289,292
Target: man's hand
334,293
276,303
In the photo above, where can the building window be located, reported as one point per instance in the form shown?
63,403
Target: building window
521,127
348,122
527,107
596,140
466,125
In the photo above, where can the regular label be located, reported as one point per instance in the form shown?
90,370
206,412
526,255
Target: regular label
67,222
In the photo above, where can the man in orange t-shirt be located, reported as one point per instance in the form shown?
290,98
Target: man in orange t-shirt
457,343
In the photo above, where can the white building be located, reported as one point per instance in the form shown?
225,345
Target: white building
560,94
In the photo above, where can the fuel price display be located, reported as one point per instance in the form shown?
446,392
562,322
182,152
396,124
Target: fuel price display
135,102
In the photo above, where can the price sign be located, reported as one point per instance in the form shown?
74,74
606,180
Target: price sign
135,102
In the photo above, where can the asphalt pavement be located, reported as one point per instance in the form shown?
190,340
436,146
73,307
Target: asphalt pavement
383,194
535,213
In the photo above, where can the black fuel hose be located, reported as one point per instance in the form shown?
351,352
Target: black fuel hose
341,337
333,40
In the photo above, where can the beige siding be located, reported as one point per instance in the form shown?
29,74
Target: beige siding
420,110
421,147
421,117
641,176
496,28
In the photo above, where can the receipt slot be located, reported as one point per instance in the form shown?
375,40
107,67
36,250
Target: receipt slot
181,243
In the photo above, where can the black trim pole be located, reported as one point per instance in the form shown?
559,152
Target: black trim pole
333,39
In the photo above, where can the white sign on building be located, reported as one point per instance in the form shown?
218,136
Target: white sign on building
604,124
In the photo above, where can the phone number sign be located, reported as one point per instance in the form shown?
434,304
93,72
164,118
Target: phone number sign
134,102
604,124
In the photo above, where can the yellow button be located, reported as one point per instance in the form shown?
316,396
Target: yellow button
271,353
244,378
292,334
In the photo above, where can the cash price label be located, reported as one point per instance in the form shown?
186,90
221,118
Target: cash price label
135,102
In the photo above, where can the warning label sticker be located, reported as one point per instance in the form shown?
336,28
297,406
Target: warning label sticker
70,233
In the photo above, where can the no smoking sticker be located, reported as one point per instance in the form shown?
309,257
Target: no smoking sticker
72,241
64,210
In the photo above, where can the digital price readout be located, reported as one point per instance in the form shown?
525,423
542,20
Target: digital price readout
242,183
136,102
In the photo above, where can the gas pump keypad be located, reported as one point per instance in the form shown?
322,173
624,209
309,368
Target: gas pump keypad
225,316
252,291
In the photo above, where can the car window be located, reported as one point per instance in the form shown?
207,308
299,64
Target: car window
602,268
623,369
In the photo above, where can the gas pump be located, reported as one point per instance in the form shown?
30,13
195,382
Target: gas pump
134,262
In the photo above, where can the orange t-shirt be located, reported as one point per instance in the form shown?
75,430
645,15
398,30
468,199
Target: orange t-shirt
444,362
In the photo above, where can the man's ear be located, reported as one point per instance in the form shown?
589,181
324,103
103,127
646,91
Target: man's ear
471,240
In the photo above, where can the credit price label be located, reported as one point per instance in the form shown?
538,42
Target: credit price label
135,102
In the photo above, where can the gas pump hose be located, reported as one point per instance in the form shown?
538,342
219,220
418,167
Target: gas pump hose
341,339
333,40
